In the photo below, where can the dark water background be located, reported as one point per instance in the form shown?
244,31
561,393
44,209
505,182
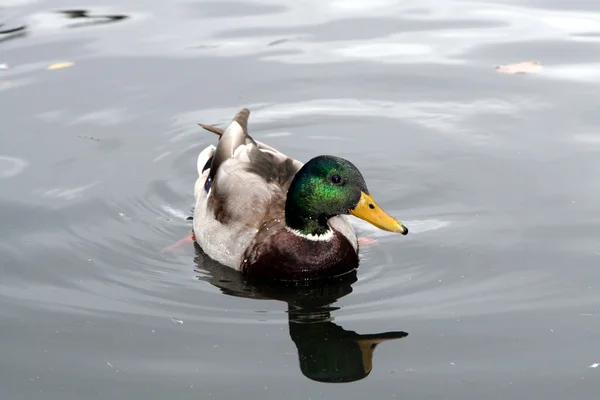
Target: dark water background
495,175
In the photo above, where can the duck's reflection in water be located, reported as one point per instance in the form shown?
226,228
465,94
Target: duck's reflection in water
326,351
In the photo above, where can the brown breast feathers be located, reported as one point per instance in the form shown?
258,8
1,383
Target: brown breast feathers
287,256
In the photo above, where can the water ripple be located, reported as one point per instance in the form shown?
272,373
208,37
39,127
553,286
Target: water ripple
493,174
14,168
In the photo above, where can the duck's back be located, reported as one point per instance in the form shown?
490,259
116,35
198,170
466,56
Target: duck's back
242,183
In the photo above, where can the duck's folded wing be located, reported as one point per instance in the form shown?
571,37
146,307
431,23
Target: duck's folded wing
248,178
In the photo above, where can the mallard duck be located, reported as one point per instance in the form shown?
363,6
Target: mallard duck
270,216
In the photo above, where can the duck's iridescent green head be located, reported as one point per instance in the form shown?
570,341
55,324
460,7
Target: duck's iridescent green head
327,186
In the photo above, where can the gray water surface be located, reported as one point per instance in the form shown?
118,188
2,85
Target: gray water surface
493,294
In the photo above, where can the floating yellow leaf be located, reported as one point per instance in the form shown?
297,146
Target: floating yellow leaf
60,65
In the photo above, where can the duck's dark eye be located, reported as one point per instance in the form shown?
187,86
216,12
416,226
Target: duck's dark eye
336,179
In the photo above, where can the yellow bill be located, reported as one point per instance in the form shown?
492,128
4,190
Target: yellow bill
368,210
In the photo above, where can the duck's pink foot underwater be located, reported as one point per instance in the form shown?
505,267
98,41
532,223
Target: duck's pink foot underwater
188,239
366,241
